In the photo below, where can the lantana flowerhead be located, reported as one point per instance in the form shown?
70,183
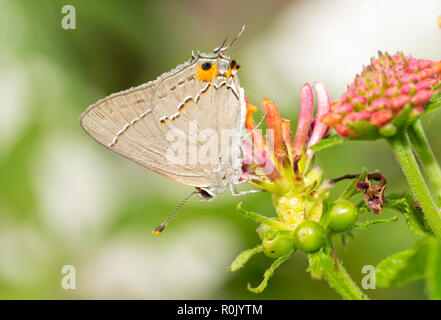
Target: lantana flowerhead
390,93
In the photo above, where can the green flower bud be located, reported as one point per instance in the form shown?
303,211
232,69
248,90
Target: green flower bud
343,214
278,246
309,236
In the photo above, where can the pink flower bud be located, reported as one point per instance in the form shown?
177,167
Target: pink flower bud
360,100
346,108
348,94
323,107
426,73
357,116
374,93
331,119
424,63
305,118
408,88
426,84
379,103
409,77
398,102
392,92
345,131
381,117
422,96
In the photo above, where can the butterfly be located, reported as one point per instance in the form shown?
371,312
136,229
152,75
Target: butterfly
195,104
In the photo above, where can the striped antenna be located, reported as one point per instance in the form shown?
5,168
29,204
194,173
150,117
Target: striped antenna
157,231
221,46
225,49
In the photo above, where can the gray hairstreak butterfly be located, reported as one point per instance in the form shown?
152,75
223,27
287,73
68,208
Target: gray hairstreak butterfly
198,102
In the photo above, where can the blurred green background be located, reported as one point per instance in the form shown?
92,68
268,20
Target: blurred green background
65,200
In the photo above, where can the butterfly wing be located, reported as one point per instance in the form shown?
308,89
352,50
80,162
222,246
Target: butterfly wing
126,123
137,123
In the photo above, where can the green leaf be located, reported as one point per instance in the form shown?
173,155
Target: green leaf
331,141
434,103
436,87
351,190
389,130
362,207
405,266
366,224
260,218
434,270
269,272
325,212
320,262
402,117
243,258
345,236
364,129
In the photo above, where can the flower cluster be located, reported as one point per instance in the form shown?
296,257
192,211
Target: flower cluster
282,166
391,92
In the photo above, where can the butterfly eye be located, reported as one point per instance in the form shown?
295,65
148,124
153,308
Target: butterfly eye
206,66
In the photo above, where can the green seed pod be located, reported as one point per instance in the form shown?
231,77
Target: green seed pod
343,214
278,246
309,236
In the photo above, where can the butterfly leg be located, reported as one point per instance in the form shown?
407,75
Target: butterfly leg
250,178
236,193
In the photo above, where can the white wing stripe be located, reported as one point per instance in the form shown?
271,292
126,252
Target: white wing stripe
178,107
127,125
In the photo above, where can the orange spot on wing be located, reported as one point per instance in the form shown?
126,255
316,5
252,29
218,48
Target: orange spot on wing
229,73
207,75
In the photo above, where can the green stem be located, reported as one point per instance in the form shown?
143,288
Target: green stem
341,281
401,146
326,263
422,148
